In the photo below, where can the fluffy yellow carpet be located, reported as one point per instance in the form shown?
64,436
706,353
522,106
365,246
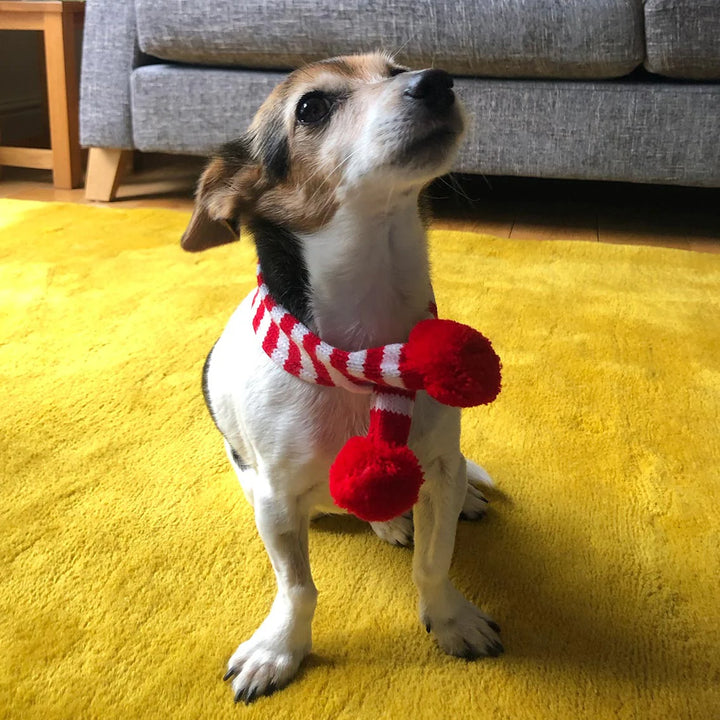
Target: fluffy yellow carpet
130,567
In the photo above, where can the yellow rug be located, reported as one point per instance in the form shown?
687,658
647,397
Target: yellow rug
130,567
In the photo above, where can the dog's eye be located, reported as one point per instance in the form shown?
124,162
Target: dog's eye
313,108
394,71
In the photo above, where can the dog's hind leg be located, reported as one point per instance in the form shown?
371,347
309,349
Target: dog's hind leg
478,475
460,628
245,473
476,502
271,657
398,531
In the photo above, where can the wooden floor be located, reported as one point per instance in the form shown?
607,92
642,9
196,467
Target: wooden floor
519,208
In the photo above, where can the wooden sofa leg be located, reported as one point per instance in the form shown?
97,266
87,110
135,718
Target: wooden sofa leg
105,169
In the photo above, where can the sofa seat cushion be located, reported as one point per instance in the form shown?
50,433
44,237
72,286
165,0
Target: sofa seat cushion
500,38
644,132
193,110
683,38
624,130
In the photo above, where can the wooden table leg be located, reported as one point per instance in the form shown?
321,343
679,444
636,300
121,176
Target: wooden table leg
62,82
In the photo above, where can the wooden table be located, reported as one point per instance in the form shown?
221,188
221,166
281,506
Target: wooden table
59,22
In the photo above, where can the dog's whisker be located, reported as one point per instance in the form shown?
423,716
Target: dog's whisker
320,169
393,54
322,185
452,182
390,194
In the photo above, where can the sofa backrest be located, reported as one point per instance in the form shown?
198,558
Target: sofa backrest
493,38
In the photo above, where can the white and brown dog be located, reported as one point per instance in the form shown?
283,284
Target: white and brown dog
328,179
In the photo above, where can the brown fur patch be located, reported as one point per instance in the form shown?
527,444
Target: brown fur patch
365,67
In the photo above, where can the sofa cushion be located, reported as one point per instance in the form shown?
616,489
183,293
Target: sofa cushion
644,132
194,110
503,38
624,130
683,38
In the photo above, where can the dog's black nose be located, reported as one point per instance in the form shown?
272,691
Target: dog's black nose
432,87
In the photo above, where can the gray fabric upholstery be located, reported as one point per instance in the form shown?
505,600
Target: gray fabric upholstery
502,38
650,132
217,105
623,130
110,52
683,38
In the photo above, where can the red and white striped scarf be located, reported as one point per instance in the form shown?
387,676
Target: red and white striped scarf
385,373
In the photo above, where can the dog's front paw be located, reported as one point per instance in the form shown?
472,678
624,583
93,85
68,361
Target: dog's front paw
398,531
462,629
260,667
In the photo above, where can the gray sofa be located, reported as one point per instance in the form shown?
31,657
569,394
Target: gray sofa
621,90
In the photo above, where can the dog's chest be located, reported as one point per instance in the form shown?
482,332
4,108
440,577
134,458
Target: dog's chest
318,420
274,412
340,416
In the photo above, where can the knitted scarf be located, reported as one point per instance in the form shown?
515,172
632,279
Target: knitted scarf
377,477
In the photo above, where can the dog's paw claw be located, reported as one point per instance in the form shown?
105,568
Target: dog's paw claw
470,652
496,649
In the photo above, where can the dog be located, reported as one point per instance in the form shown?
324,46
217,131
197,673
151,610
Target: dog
329,179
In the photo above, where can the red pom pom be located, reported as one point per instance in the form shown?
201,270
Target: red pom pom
375,480
455,363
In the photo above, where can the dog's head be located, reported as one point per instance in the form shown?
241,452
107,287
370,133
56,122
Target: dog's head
333,129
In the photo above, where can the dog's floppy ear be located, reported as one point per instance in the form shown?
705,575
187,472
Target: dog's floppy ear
226,189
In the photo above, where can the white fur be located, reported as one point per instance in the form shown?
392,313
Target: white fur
369,284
